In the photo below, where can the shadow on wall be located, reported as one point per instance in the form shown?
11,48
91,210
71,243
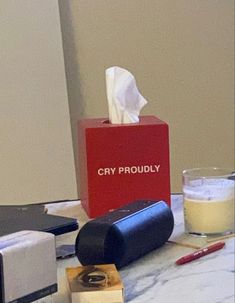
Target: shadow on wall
76,102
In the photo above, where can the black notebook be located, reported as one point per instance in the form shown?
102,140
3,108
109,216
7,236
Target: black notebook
33,217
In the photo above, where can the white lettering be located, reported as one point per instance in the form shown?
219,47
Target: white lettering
134,169
120,170
100,171
142,169
107,171
104,171
146,168
127,170
112,170
157,167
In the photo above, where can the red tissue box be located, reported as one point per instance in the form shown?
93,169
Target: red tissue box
120,163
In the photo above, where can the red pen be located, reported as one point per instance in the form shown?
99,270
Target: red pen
200,253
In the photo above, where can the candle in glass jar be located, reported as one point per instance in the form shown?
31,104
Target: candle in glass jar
209,206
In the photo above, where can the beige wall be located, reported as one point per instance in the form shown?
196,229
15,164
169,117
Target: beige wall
182,55
36,155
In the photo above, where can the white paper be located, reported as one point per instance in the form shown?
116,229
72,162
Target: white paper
124,99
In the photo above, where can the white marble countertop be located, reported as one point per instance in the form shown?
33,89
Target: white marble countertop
155,277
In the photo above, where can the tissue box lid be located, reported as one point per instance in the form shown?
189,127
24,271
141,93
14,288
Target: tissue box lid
104,122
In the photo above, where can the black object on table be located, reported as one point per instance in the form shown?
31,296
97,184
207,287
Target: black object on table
33,217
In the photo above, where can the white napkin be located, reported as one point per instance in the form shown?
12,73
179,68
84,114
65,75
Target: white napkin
124,98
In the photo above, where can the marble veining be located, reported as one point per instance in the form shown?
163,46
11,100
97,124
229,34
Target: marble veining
155,277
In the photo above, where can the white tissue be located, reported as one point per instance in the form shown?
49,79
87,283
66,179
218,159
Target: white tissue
124,98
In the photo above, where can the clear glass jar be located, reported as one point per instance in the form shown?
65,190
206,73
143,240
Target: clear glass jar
208,200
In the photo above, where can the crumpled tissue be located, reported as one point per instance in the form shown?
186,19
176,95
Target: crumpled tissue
124,99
